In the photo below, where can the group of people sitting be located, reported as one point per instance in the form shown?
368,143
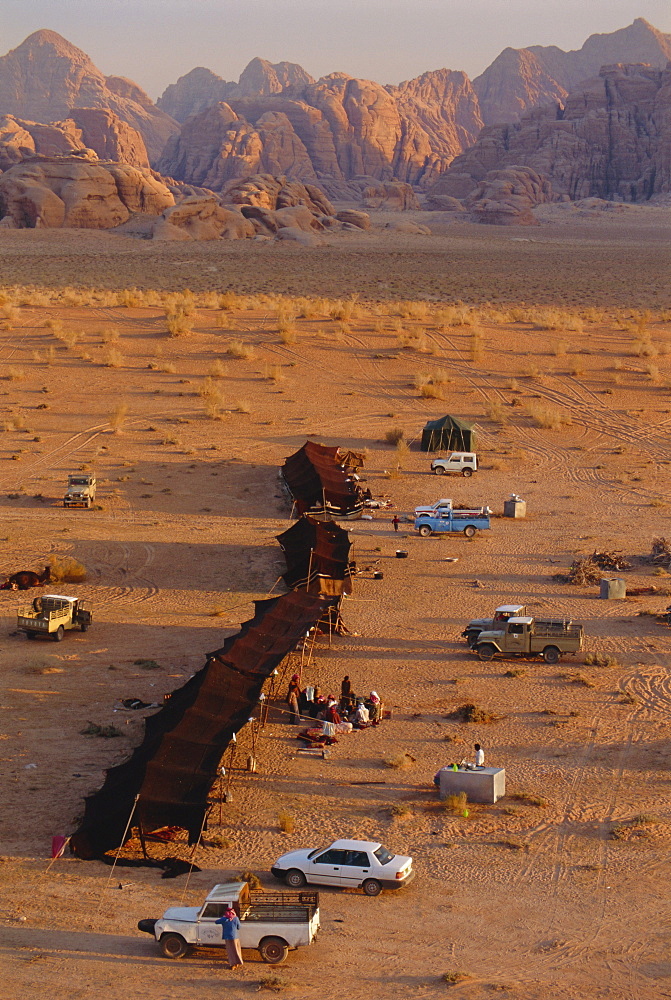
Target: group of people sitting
350,712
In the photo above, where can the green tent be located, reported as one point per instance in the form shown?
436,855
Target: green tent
448,434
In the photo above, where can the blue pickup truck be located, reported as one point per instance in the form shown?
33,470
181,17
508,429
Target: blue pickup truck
468,521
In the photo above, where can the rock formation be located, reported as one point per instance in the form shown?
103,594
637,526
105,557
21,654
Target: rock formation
87,128
70,191
506,197
46,77
267,191
201,88
330,132
612,140
520,79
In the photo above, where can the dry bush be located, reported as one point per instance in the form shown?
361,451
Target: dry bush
178,325
117,418
402,452
600,660
477,347
401,810
15,374
548,417
243,406
344,309
455,804
430,391
496,412
113,358
274,983
286,326
555,319
285,821
108,334
394,435
653,374
415,342
273,372
580,679
415,310
560,348
473,713
252,880
456,315
213,399
217,369
400,762
66,569
238,349
529,799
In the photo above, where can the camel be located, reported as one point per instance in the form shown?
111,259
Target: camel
25,579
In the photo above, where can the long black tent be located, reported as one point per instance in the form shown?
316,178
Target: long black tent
448,434
317,479
317,556
172,771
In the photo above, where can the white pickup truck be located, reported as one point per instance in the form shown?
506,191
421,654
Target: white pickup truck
274,923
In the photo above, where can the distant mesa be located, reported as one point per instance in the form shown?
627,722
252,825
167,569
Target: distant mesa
612,140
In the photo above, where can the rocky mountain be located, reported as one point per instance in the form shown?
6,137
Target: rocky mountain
611,140
201,88
46,77
330,132
88,129
520,79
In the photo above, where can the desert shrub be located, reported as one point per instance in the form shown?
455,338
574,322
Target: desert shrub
455,977
238,349
599,660
529,799
401,809
15,374
430,391
580,679
497,412
66,569
548,417
275,984
455,804
401,762
252,880
473,713
117,417
243,406
394,435
106,732
285,821
145,664
344,309
113,358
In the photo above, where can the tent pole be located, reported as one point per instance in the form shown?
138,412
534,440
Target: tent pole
193,852
307,586
123,841
143,844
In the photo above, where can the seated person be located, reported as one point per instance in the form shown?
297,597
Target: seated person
362,715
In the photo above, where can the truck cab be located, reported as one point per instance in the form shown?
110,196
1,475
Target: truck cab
463,462
501,615
81,491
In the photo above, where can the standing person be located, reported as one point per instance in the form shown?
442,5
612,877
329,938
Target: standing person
293,695
345,689
479,756
396,521
230,933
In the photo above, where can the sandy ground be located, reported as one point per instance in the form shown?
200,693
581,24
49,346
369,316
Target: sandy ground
562,899
574,257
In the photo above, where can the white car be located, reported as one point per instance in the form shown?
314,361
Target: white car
464,462
348,863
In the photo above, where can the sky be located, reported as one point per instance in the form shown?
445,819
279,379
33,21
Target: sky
156,41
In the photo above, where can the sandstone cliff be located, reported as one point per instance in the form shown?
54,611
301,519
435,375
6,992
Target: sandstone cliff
87,129
331,132
612,140
46,77
520,79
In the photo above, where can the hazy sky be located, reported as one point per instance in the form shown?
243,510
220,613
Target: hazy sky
155,41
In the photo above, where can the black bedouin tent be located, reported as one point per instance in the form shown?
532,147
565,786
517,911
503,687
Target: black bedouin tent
448,434
317,557
319,484
175,766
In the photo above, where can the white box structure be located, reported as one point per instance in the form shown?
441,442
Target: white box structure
485,784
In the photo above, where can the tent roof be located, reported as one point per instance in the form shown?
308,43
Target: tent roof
446,421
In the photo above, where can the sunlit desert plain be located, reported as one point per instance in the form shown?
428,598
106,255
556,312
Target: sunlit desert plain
183,377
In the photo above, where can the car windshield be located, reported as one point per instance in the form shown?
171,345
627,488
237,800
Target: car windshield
317,850
78,482
383,855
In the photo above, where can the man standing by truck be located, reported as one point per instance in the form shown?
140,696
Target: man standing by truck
230,932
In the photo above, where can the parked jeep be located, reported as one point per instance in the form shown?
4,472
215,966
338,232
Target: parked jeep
52,615
81,491
463,462
526,636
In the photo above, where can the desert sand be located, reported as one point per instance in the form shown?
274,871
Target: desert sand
557,891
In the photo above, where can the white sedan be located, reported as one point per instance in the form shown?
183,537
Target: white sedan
348,863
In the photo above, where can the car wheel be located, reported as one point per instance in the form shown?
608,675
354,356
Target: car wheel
31,635
425,531
59,633
84,626
274,950
295,879
486,651
467,472
372,887
551,654
173,946
439,470
472,638
469,531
